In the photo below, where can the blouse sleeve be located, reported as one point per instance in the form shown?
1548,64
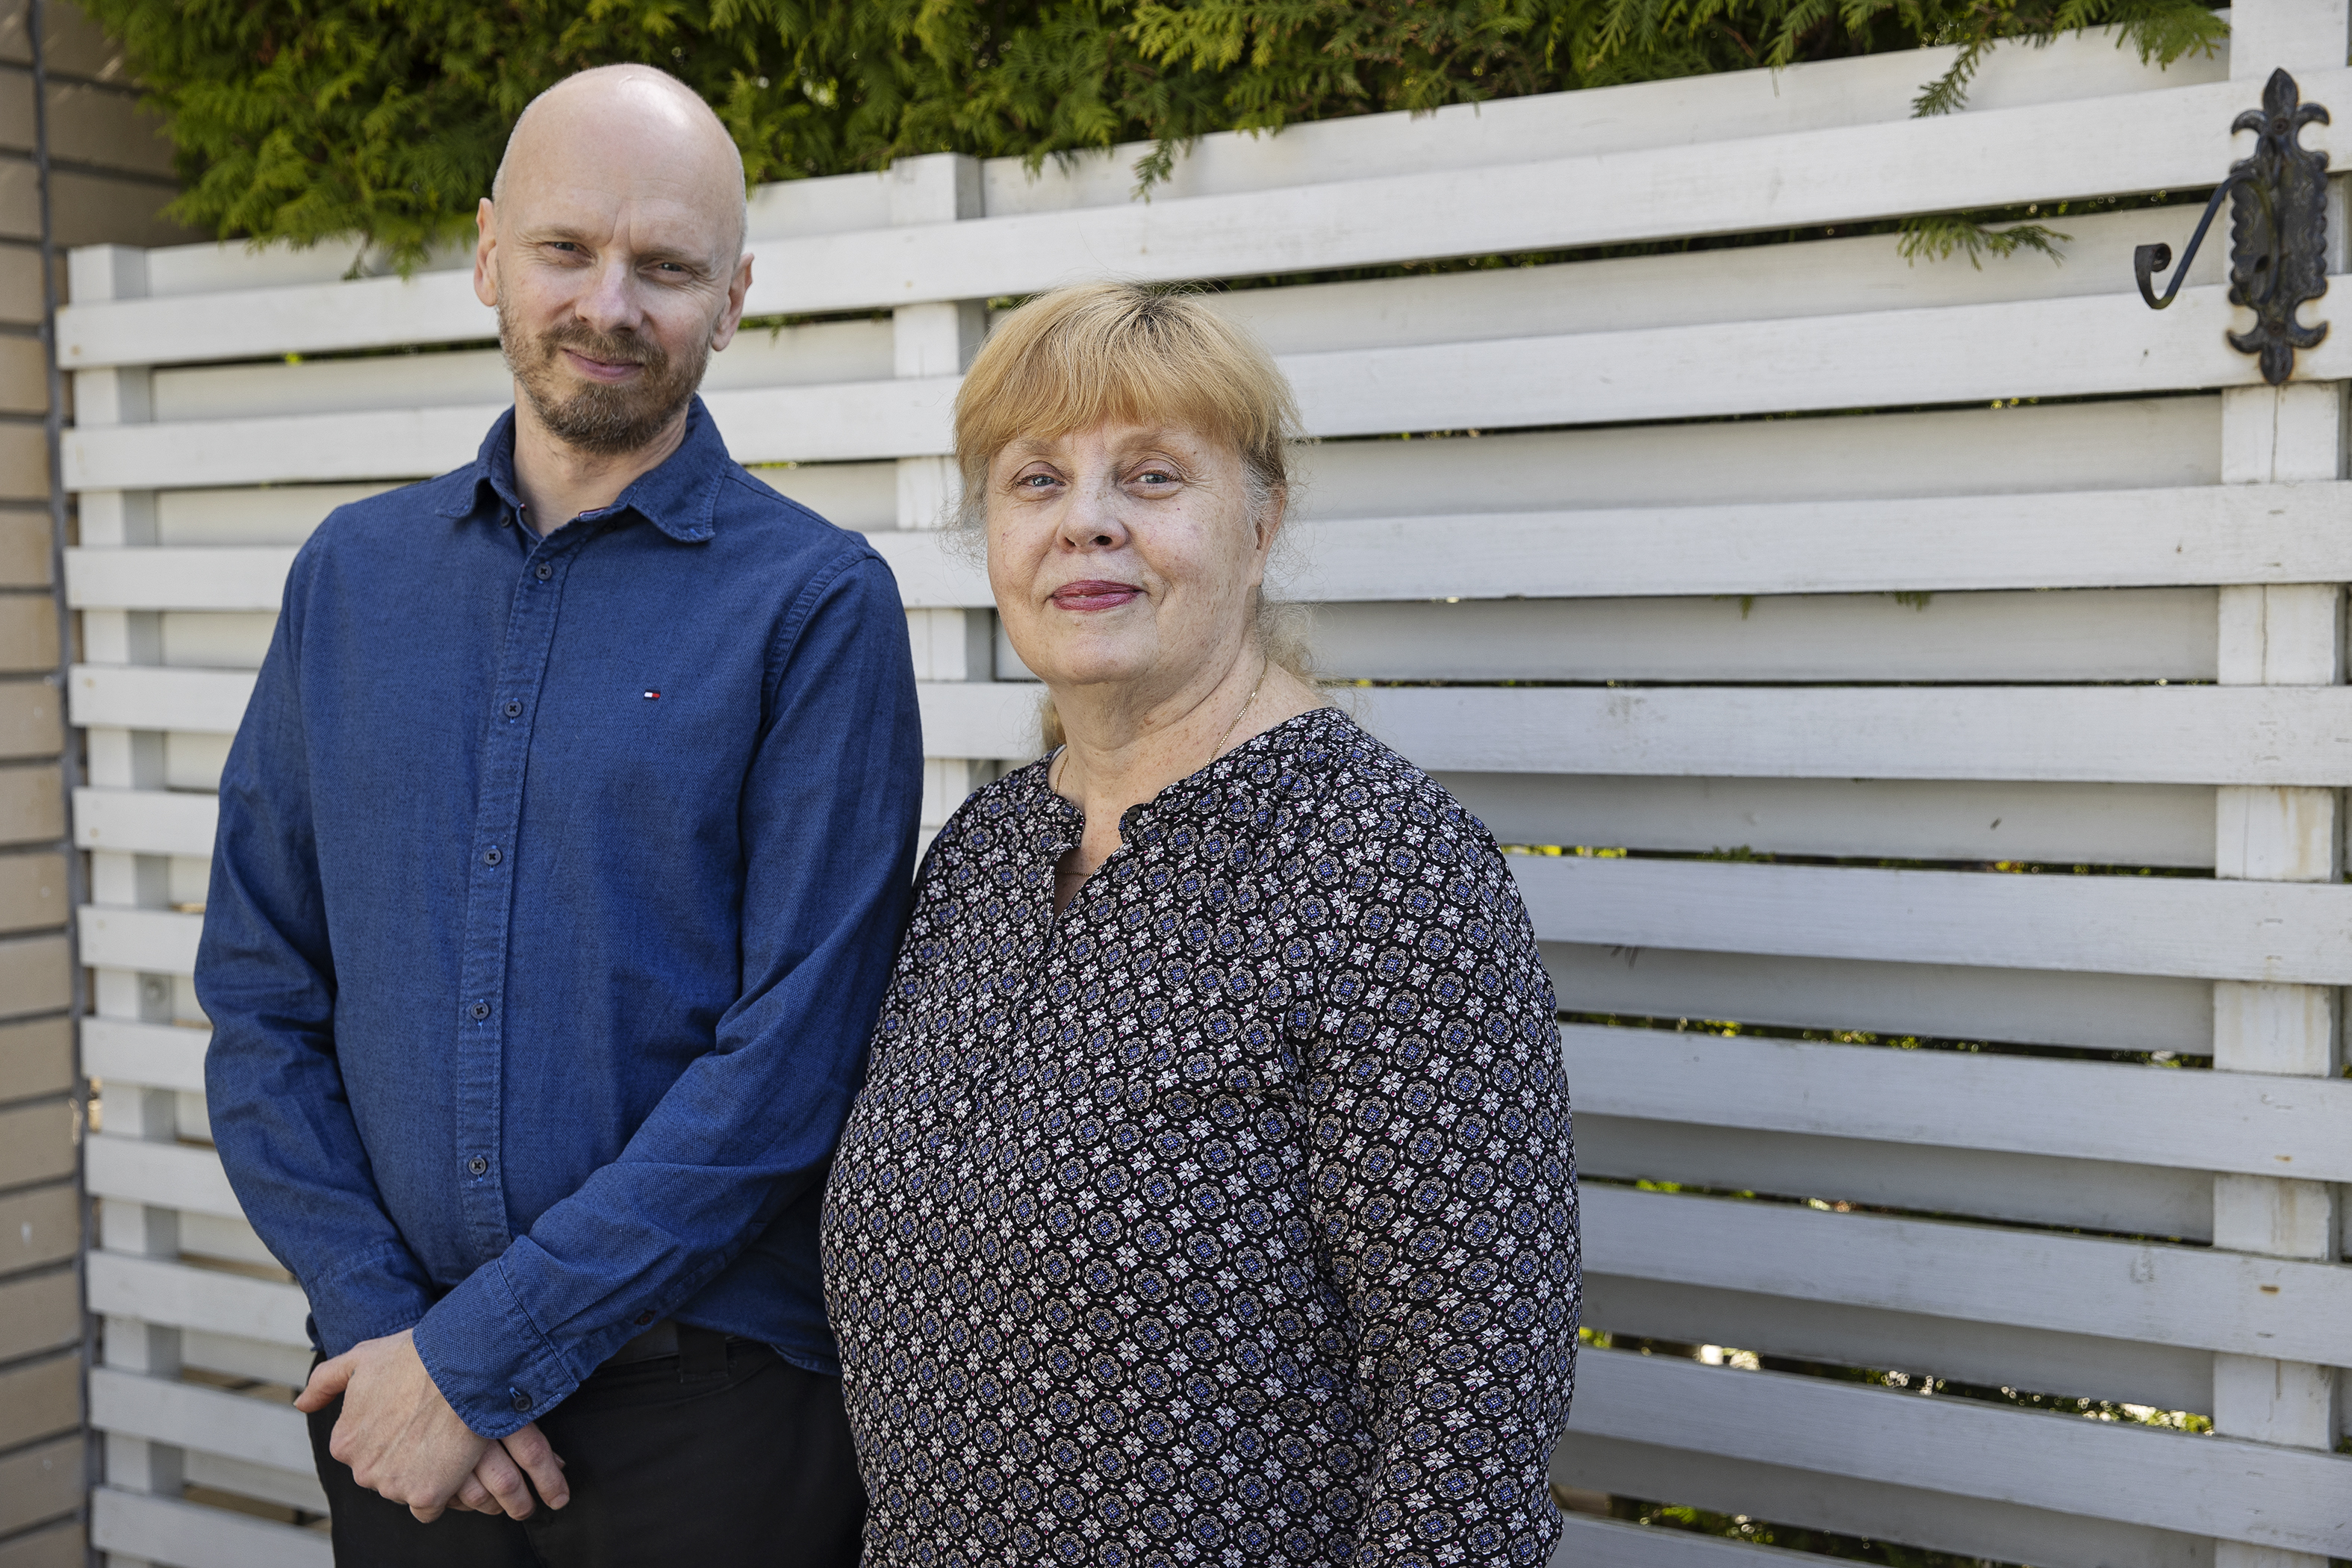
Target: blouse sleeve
1444,1183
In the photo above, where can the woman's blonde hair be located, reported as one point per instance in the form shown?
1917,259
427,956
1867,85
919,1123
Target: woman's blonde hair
1100,353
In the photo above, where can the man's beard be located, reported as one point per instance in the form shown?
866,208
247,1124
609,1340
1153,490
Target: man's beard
604,418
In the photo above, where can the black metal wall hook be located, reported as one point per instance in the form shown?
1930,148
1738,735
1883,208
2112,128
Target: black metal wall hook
2278,231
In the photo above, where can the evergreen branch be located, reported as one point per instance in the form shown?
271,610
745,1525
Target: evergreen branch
1936,235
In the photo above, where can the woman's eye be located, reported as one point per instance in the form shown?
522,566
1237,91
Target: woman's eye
1035,481
1155,476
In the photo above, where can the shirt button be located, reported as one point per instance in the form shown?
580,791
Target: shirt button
512,709
519,1399
644,1318
492,857
478,1011
544,572
476,1165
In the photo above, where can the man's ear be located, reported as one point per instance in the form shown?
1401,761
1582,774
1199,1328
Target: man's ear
739,289
486,243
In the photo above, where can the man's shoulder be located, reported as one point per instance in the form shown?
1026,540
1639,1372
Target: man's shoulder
758,523
393,515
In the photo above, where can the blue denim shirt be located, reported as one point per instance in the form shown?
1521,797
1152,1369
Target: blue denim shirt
557,885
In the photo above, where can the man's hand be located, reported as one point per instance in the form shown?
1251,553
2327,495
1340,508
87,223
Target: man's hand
497,1484
397,1433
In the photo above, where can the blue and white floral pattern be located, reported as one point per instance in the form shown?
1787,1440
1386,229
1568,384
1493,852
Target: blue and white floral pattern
1230,1217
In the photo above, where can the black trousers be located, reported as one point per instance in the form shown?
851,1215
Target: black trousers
726,1456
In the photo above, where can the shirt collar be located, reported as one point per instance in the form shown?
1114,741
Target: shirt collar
679,495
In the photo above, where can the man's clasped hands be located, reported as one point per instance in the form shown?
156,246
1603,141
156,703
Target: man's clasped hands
404,1443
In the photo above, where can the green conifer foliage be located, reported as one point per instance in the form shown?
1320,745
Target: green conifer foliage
309,119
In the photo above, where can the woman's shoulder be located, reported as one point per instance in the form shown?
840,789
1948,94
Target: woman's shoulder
1370,800
994,818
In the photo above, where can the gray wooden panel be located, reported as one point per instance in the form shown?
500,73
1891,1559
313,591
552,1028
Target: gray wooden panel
2144,634
2108,1012
2129,444
1992,1355
1909,819
2033,1189
1914,1516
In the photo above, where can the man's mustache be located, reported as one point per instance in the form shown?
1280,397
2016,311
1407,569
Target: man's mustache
624,348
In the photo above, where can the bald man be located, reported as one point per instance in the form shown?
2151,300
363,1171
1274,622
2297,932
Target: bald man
561,856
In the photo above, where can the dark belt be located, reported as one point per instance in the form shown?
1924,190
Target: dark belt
700,1353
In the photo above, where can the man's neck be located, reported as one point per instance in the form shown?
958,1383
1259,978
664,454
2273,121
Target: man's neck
558,481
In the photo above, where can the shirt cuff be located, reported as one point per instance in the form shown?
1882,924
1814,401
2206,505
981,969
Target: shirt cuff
374,1294
489,1361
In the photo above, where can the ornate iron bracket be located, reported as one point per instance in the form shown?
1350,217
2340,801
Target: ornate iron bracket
2278,231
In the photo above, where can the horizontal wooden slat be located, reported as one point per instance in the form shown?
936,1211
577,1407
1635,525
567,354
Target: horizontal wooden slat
152,1055
212,577
145,822
2115,1197
772,425
190,1416
1956,354
32,890
1587,1541
1908,1514
2296,933
189,1535
1940,1001
2179,536
2292,1499
166,1175
2153,141
180,1297
2194,1297
288,1489
159,942
59,1545
2184,735
2253,1123
1988,1354
1899,819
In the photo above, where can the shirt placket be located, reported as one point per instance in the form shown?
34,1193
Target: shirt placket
489,892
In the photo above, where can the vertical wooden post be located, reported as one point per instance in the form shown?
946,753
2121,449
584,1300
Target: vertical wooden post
126,759
939,340
2280,636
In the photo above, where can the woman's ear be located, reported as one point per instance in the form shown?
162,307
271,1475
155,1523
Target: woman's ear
1270,516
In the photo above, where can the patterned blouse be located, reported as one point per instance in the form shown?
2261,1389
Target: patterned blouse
1230,1217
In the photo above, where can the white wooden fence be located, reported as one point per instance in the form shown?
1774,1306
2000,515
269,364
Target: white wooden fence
1609,613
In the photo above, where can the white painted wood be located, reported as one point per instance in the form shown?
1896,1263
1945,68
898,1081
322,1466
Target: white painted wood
2194,1297
2094,825
289,1489
154,1056
276,515
288,1366
1587,1541
1880,1510
190,1416
2295,932
208,578
217,1301
2102,345
2164,634
2112,538
189,1535
166,1175
2254,1123
2206,1486
227,1238
1951,1002
155,942
2119,735
1989,1355
2018,1189
145,822
2166,140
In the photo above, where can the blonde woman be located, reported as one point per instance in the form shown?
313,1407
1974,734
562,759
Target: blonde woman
1211,1197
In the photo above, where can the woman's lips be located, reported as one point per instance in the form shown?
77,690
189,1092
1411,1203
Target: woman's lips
1095,595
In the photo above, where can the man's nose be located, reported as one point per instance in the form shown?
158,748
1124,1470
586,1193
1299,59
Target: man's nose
610,303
